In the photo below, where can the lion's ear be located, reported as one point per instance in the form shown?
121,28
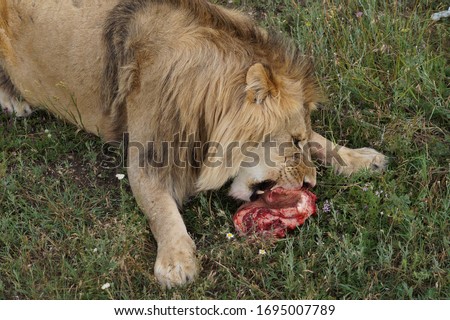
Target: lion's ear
259,84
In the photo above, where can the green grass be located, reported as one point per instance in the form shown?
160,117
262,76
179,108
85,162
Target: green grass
68,226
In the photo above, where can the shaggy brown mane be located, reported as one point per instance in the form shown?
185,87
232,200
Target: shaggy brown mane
117,55
270,48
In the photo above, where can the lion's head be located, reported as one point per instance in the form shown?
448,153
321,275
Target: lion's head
282,162
266,136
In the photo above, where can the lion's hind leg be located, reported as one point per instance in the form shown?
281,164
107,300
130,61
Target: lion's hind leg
10,100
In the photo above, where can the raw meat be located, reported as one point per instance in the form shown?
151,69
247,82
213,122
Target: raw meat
275,212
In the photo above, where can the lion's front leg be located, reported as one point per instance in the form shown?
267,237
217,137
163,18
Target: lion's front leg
345,160
176,262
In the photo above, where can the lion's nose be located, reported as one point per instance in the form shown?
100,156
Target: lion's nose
309,181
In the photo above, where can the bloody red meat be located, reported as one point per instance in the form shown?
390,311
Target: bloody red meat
275,212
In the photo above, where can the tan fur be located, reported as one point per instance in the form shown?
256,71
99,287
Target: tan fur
4,17
5,45
177,70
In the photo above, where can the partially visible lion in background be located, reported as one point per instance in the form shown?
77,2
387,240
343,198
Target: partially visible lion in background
186,72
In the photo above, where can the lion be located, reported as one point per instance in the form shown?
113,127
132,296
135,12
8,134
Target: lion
178,81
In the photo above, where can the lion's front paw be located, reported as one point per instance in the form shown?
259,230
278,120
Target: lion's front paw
358,159
176,263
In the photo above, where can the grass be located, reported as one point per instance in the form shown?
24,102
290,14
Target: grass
68,226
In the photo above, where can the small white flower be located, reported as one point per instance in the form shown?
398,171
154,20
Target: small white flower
262,252
49,135
379,193
230,236
46,131
106,286
120,176
95,250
